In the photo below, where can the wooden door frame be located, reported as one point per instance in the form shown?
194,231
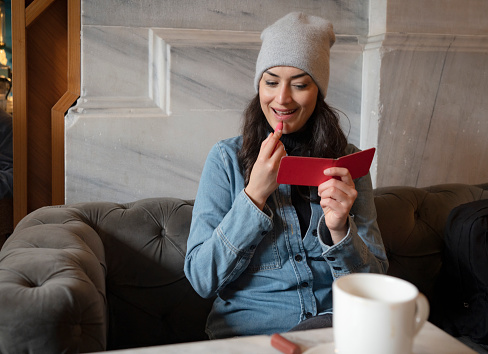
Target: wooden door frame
66,101
22,18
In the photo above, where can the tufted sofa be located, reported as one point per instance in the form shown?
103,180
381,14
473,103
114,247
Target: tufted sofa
100,275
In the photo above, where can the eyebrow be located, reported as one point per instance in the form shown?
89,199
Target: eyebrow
293,77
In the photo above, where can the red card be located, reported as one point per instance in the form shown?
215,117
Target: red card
309,171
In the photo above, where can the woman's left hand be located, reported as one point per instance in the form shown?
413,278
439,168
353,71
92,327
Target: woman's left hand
337,195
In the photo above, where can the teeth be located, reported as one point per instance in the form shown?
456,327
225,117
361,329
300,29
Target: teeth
284,113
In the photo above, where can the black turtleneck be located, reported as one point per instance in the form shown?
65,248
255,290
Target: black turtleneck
300,195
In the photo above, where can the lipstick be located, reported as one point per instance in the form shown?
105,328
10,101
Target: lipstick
279,126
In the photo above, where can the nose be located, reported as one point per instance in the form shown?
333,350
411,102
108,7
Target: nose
284,95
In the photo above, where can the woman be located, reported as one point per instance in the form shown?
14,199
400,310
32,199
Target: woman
269,252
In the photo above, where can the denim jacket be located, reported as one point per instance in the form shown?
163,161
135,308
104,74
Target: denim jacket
265,277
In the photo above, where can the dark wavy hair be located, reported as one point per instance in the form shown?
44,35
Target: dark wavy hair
328,139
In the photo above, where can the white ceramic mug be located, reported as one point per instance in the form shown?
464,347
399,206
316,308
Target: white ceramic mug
375,313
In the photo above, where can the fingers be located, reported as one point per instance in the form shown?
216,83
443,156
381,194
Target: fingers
341,180
262,181
337,195
337,198
272,144
340,173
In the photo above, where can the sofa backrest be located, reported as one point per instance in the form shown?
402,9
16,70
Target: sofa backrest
150,301
139,248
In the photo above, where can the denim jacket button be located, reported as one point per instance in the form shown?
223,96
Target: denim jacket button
314,232
298,258
304,284
308,315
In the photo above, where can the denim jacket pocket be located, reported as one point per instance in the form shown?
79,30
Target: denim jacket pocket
266,256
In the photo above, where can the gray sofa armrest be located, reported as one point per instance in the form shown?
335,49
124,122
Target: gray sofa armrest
52,286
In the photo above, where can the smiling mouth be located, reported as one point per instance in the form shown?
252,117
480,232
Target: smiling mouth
284,113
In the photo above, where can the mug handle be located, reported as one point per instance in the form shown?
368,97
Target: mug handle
422,312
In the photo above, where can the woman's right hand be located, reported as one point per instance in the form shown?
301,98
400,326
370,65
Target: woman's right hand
262,181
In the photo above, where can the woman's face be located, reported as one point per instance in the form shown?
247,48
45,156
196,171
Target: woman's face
289,95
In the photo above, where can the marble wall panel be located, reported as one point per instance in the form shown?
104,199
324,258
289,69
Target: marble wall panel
433,110
453,17
345,84
155,100
114,62
125,149
349,16
371,107
162,81
457,146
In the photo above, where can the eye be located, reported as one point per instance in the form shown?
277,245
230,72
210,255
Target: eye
300,86
271,83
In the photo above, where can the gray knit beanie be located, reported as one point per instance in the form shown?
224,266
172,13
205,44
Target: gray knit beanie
297,40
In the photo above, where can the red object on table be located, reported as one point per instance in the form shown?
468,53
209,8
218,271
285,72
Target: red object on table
284,345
